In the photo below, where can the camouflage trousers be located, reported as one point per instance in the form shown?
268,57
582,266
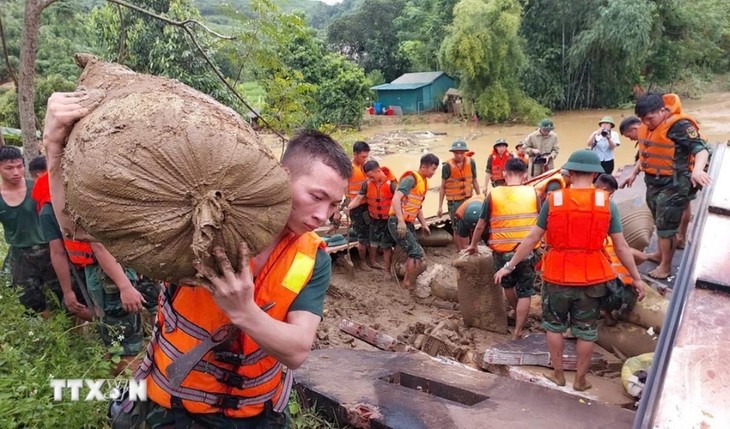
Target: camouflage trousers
165,418
31,270
409,243
523,276
667,202
360,220
618,297
118,326
577,307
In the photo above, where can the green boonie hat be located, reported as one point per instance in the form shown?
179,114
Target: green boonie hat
607,120
472,212
546,124
584,160
458,145
335,240
501,142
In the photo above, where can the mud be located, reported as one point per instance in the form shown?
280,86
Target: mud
142,178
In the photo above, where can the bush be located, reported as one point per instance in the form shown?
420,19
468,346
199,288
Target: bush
32,352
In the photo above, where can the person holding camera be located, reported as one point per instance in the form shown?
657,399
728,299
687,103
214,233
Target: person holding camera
603,142
542,147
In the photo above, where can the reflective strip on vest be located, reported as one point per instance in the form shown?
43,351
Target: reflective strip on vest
513,212
411,204
460,184
577,227
298,274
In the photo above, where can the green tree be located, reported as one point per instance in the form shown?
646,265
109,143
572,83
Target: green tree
369,37
421,28
483,50
148,45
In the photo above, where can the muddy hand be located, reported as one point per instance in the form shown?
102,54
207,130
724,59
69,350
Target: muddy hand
401,229
233,292
63,110
640,290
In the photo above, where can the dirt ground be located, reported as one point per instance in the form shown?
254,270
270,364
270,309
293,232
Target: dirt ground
368,299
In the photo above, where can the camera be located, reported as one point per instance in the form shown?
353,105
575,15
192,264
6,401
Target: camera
540,160
604,133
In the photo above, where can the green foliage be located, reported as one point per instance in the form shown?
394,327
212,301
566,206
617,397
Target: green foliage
483,50
148,45
44,87
33,352
421,28
369,37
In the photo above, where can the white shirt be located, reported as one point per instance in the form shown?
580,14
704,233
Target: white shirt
601,148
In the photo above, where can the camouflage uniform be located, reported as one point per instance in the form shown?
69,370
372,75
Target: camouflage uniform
379,235
31,270
618,297
574,306
409,243
162,418
667,196
360,220
523,276
116,324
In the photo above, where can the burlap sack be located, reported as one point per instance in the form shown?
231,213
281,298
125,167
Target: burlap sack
637,222
481,302
625,339
439,237
160,173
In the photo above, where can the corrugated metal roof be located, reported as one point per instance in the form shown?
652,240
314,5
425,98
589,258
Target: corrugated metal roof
398,86
423,77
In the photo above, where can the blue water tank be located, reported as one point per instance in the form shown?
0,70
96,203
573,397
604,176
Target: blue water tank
378,106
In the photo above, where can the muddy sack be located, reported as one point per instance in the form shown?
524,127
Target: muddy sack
637,222
625,339
439,237
160,173
480,301
649,312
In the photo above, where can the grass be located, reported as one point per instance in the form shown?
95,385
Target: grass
33,351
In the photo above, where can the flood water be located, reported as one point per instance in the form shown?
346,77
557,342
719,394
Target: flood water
573,129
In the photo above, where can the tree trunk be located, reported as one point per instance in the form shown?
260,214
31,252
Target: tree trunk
26,87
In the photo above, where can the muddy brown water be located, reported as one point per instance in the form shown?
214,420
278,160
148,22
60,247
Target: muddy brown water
572,127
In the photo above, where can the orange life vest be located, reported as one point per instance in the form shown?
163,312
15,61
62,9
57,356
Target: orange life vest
656,150
380,196
498,164
523,156
411,203
621,271
460,184
79,252
240,380
578,223
354,184
541,182
459,213
513,211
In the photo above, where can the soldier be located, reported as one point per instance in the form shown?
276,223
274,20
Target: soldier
575,269
542,147
458,183
496,163
673,157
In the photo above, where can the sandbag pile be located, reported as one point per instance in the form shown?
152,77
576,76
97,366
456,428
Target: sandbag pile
160,173
481,302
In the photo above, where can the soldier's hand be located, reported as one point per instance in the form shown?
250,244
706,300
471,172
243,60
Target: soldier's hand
628,182
402,228
72,304
426,229
700,178
63,110
640,291
132,300
232,291
472,249
439,212
501,274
